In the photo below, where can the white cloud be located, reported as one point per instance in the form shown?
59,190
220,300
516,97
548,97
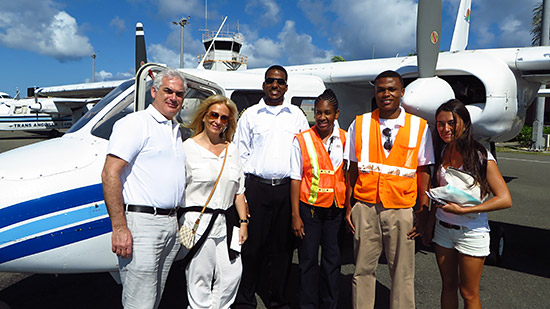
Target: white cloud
389,25
118,24
41,27
262,52
269,10
290,47
103,75
299,47
161,54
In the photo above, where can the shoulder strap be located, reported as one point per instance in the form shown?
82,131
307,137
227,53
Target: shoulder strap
217,180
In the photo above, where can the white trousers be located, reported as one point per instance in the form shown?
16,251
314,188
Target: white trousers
155,245
212,279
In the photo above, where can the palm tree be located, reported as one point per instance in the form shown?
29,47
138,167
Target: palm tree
536,30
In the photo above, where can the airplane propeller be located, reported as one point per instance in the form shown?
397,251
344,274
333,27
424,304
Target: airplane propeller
141,52
428,89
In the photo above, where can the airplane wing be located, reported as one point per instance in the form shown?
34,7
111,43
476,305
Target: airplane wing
84,90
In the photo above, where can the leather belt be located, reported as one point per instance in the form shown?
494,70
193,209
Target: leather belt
271,182
152,210
449,226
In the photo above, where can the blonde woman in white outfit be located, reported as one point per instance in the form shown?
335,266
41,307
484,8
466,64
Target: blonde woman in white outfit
214,272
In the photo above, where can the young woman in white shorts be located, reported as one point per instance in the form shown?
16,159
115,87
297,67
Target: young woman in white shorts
461,234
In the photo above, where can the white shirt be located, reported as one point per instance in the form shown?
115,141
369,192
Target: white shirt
264,136
479,224
336,154
202,169
152,146
425,153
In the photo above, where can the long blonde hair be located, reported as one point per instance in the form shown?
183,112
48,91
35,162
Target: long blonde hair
198,125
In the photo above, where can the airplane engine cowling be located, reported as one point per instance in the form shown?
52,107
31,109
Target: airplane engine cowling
424,95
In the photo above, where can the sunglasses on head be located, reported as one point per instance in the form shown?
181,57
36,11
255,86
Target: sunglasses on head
387,134
280,81
214,116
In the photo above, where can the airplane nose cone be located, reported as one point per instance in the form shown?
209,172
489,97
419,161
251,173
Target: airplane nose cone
423,96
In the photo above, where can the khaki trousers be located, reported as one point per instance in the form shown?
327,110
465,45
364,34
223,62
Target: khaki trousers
377,227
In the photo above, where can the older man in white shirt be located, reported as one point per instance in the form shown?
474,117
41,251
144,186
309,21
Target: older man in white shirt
143,185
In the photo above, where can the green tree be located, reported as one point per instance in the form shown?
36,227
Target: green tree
338,59
536,23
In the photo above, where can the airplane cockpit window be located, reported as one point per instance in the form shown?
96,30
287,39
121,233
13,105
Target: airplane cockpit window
100,105
104,127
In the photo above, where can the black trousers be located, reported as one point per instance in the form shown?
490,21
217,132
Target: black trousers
319,285
267,253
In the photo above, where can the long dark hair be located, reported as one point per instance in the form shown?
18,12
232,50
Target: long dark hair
474,155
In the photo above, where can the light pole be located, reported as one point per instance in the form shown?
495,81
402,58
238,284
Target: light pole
94,55
183,21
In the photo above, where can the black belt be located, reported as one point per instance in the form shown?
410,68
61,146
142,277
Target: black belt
271,182
449,226
152,210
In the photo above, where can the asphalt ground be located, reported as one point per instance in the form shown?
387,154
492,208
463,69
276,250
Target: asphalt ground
522,280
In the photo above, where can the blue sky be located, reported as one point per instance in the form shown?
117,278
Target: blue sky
50,42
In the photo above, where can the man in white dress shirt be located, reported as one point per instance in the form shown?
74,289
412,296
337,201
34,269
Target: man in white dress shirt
265,132
143,185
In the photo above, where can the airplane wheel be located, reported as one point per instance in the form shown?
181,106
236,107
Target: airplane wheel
496,246
53,133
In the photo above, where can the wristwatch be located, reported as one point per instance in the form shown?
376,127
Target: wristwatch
243,221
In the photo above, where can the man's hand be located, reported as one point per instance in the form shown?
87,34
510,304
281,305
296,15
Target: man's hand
122,242
298,227
347,217
420,226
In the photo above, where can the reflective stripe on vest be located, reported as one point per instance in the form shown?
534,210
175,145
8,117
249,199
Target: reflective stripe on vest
321,184
365,166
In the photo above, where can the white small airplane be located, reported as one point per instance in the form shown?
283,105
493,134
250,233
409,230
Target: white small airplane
52,213
49,112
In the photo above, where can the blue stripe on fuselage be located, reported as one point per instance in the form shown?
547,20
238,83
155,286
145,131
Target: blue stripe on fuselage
51,203
55,240
54,222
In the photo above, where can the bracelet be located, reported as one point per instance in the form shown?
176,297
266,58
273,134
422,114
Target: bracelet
243,221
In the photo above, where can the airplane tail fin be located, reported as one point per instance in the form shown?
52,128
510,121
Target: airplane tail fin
141,53
462,27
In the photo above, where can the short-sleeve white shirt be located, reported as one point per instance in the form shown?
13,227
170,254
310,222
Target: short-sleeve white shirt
425,153
264,137
153,148
202,169
336,154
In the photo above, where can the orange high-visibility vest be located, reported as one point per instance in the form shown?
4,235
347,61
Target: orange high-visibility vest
390,180
321,184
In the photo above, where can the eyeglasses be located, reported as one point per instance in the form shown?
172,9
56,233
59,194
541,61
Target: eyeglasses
387,134
214,116
280,81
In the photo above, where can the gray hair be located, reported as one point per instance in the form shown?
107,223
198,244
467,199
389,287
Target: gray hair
170,74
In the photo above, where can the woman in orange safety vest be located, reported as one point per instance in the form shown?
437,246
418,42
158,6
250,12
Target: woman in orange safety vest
317,192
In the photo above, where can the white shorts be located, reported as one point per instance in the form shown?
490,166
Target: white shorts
464,240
